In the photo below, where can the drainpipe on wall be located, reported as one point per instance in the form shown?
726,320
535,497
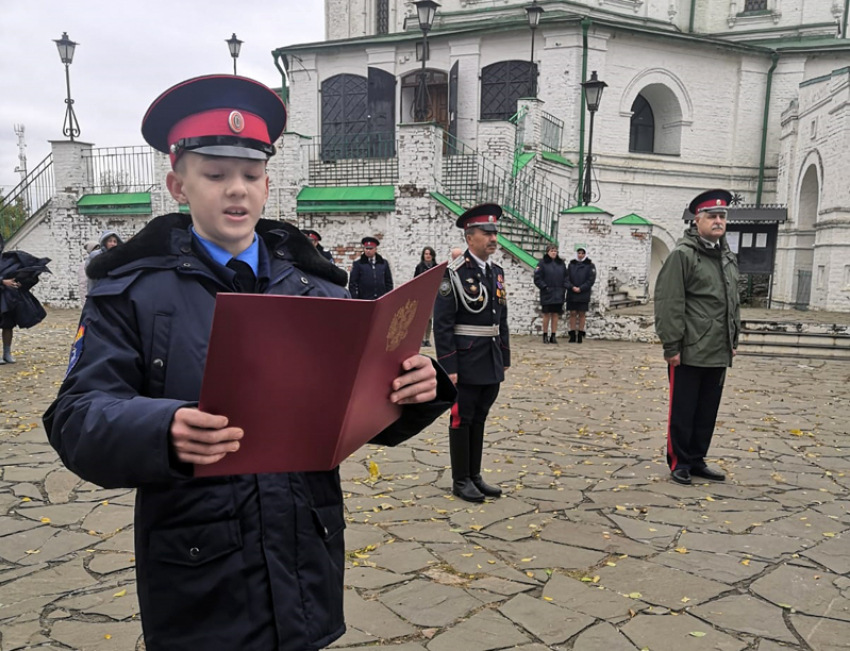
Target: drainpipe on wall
691,19
846,11
774,57
284,78
585,25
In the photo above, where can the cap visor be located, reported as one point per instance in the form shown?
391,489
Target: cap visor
231,151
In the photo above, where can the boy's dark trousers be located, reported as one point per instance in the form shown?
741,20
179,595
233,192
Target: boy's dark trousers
695,393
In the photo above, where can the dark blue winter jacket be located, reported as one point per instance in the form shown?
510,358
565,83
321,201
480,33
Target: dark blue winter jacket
370,281
249,562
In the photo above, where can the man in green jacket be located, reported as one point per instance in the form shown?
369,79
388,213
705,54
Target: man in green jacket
697,318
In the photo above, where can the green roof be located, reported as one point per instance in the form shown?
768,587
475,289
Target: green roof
552,157
632,219
119,203
362,198
584,210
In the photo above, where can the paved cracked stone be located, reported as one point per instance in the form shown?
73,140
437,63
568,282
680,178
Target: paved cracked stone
576,442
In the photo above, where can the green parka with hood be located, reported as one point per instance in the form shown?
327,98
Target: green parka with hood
697,311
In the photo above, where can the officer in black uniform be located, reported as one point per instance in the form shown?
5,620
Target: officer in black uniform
315,238
472,341
370,276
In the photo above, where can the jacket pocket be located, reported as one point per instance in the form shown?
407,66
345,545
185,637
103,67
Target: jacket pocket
694,331
194,573
321,567
463,343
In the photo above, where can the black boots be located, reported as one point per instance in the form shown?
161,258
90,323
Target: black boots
545,338
572,334
580,338
459,448
476,452
552,339
466,445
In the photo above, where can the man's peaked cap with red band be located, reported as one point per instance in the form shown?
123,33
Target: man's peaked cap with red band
484,217
718,200
216,115
313,235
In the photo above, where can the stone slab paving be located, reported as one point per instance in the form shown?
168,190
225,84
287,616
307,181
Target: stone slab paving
592,548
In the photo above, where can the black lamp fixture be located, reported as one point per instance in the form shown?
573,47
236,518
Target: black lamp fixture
70,128
534,11
426,10
592,95
235,46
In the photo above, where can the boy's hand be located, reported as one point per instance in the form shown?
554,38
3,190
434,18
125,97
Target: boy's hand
202,438
417,384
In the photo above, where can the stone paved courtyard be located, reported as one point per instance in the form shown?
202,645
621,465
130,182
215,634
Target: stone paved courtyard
592,548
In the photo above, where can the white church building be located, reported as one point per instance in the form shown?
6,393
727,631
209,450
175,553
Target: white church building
748,95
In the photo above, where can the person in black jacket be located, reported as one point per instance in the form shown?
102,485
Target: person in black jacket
222,563
370,276
427,260
550,276
315,238
19,308
581,274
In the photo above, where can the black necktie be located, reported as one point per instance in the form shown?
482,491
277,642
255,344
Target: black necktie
487,271
245,280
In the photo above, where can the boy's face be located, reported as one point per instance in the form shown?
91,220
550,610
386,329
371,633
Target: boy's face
226,196
111,242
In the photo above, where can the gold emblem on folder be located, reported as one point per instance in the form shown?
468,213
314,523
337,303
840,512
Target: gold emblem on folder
401,324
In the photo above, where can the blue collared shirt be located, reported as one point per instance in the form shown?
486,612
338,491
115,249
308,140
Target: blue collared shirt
250,256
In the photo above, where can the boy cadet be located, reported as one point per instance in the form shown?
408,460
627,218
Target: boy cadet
251,562
472,341
698,320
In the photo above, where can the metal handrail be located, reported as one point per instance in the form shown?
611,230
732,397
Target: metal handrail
551,132
468,178
27,198
352,159
119,169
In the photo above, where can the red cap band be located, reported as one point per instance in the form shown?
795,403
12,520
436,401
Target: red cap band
713,203
480,219
219,122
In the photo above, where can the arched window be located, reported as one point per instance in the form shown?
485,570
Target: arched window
345,116
502,84
642,133
383,16
755,5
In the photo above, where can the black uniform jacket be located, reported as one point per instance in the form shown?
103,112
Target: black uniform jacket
370,281
476,360
18,306
550,276
249,562
582,275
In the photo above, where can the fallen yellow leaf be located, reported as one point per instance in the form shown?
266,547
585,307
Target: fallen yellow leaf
548,599
635,595
45,520
107,637
681,550
120,593
697,634
746,561
374,471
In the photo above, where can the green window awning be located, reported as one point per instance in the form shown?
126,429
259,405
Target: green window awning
365,198
120,203
632,219
552,157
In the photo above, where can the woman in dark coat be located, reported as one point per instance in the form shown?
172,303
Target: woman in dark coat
550,276
427,260
581,274
19,273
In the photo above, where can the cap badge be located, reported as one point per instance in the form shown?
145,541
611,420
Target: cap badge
491,219
236,122
718,202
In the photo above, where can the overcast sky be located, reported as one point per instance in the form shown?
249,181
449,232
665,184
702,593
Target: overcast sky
129,51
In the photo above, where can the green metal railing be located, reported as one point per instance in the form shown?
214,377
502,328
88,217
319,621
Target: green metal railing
468,178
551,133
27,198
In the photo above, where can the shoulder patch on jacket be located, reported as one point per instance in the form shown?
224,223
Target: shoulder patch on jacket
77,348
445,287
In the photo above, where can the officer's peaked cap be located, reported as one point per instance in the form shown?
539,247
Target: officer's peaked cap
710,201
484,217
216,115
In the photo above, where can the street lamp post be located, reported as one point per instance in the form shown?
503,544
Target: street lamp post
592,94
235,46
71,127
425,11
534,11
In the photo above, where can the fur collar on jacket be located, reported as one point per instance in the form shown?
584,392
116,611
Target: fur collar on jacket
365,260
154,240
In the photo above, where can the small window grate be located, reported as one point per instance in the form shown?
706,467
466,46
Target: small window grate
502,84
383,12
755,5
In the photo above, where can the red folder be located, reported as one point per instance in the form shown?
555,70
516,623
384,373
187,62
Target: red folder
309,379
